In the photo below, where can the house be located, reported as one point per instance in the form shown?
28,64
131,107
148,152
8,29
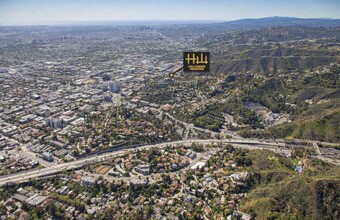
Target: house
239,176
167,107
207,210
138,183
190,199
197,166
173,187
143,169
47,156
191,155
88,181
174,166
36,200
240,215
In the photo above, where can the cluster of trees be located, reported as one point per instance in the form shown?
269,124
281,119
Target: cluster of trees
208,123
241,157
197,147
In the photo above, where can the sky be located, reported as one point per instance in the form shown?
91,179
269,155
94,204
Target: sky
28,12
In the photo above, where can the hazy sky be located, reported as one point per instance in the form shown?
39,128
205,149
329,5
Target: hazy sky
20,12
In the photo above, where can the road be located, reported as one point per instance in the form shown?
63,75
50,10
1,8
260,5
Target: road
56,168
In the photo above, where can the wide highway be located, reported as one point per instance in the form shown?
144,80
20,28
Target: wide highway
25,176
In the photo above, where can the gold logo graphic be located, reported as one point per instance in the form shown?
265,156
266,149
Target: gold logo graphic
196,61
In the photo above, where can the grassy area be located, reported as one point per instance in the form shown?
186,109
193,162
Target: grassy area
280,193
325,128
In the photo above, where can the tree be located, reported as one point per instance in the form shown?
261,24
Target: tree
25,206
230,148
52,209
166,179
147,212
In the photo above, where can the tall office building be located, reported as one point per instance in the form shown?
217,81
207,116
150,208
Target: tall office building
114,86
47,113
54,122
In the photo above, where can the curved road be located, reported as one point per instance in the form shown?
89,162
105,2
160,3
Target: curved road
56,168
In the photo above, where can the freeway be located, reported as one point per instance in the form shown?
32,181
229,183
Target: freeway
57,168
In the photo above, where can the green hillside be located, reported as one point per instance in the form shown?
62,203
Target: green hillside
321,129
280,193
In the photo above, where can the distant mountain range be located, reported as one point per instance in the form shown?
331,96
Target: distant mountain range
210,29
284,21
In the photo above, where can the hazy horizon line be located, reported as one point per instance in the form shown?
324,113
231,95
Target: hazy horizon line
146,21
